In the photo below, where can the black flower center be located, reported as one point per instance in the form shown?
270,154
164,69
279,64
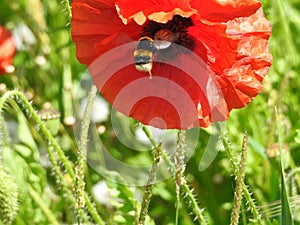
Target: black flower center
161,41
174,31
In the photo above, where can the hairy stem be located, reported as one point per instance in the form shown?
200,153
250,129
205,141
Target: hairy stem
22,100
185,188
239,184
4,137
179,161
45,209
82,153
149,186
252,206
290,177
180,168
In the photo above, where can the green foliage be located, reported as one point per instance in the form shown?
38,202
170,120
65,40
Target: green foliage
8,197
286,216
123,200
37,167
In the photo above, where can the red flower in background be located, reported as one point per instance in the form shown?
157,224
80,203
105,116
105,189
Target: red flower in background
230,39
7,51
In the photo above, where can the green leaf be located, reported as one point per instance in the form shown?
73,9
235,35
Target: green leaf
257,147
24,132
286,216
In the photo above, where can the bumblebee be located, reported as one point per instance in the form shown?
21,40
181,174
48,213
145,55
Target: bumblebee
159,48
143,55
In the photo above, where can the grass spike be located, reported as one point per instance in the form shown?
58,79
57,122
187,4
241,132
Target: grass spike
246,192
149,186
8,197
82,153
239,183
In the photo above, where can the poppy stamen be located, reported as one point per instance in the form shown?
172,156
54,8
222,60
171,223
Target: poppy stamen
174,31
163,38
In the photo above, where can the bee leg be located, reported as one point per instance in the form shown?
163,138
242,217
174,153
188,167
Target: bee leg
150,74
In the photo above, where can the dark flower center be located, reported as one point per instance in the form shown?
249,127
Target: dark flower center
174,31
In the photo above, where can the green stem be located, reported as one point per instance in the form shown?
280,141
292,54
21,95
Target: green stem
286,215
149,136
4,141
180,168
61,181
185,188
187,191
59,176
192,199
177,211
82,152
22,100
239,184
47,212
149,186
246,192
179,161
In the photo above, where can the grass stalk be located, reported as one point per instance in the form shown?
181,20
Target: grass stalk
187,192
238,194
247,195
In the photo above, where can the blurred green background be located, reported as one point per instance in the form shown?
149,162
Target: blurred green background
47,71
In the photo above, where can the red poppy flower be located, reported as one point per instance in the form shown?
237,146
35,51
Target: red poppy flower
7,51
210,56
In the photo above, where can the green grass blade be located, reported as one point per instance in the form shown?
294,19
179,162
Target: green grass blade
286,216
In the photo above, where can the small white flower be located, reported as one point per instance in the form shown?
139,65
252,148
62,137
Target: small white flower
100,111
23,36
102,193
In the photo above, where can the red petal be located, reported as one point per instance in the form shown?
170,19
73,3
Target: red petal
174,95
231,37
160,11
7,51
224,10
238,53
221,50
97,28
